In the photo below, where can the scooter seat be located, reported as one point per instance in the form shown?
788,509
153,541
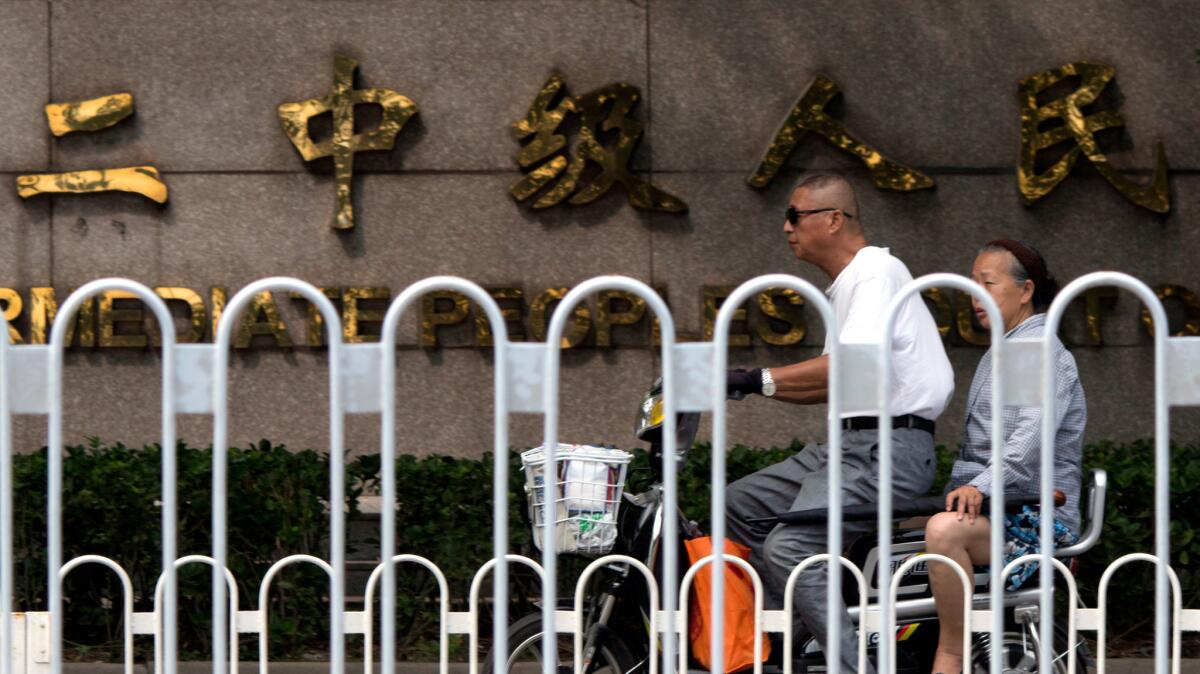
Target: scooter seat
867,512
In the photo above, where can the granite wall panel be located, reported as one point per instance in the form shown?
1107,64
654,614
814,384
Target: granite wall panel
734,233
444,402
935,232
932,85
207,77
929,84
230,230
25,258
100,235
25,71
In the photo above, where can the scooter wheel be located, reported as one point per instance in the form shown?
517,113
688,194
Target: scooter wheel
525,649
1020,655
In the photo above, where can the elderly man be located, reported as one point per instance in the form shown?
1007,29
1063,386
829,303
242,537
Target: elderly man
824,227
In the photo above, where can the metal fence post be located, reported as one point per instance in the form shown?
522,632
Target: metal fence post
1162,459
499,456
834,438
550,442
58,334
887,608
220,407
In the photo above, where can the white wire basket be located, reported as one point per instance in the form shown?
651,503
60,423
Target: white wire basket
589,482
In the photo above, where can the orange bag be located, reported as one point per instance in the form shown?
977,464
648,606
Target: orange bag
739,608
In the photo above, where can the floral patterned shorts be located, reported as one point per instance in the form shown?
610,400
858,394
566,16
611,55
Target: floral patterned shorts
1021,537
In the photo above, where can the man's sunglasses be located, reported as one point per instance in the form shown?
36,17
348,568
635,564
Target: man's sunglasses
793,216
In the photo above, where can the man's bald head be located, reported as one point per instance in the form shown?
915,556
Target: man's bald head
822,224
833,191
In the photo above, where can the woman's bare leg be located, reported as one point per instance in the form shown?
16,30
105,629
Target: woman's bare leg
967,544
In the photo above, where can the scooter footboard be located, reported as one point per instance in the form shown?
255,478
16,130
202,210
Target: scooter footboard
923,608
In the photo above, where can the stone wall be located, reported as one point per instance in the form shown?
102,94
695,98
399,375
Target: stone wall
932,85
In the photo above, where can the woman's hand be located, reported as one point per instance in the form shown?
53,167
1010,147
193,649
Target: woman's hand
969,499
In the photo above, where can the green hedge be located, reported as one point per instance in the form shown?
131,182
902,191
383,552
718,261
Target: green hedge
110,507
277,507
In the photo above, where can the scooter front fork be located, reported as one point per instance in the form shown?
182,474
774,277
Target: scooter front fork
1027,618
598,632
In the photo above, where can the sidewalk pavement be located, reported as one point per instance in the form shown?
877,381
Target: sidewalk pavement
1121,666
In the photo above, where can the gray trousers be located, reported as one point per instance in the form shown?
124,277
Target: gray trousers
802,482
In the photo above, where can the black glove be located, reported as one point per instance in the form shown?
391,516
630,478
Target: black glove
739,383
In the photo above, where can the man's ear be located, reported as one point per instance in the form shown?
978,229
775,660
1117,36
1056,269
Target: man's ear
837,222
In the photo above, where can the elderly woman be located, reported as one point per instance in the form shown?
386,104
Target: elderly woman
1015,275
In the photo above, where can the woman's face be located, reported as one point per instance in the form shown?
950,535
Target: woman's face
993,271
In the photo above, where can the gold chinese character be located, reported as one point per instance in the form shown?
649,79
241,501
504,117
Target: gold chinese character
605,109
397,110
1081,129
809,115
93,115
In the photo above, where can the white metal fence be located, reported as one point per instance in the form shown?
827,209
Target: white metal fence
526,379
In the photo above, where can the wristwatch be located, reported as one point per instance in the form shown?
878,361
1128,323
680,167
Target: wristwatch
768,383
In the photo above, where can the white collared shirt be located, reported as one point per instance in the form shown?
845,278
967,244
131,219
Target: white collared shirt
922,379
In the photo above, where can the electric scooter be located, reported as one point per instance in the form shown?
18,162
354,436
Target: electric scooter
616,615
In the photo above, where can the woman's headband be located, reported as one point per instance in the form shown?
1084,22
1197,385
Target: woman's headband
1027,256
